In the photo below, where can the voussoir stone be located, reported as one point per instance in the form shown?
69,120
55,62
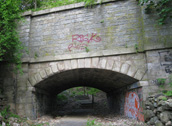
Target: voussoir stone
110,62
43,74
139,74
81,63
32,80
102,63
38,77
124,68
116,66
67,65
61,66
132,71
48,71
95,62
88,63
74,64
54,68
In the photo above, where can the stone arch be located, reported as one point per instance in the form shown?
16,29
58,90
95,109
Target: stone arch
108,74
104,63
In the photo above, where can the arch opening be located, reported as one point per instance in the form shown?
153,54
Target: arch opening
114,85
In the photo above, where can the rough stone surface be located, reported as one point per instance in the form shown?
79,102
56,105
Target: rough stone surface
158,123
164,116
148,114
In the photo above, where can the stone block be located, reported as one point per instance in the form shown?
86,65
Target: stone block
32,80
61,66
49,71
67,65
74,64
81,63
132,71
110,62
143,83
95,62
124,68
38,77
139,74
116,66
102,63
54,68
88,63
43,74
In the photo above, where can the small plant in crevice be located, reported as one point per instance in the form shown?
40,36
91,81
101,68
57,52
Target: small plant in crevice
126,46
35,55
87,49
137,48
93,123
161,81
102,21
89,3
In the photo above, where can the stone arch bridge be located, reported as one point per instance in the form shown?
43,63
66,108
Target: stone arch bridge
113,46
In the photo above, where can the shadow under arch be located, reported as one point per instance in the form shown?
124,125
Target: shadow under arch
112,83
105,80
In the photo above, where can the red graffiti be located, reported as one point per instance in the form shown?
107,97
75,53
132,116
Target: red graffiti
132,106
77,46
86,38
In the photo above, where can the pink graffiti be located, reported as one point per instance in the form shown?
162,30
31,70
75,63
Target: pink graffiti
86,38
77,46
132,106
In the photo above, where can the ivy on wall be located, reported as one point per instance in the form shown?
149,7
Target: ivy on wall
163,8
10,45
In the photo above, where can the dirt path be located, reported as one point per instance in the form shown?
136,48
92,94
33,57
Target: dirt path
73,121
82,121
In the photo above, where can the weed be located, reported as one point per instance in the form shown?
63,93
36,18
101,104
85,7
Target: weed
137,48
87,49
102,21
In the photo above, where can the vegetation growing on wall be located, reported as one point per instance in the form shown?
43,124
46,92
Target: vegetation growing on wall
10,45
44,4
163,8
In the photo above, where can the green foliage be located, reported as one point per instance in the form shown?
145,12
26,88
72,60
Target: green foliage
161,81
163,8
89,3
6,114
136,47
61,97
168,93
93,91
164,99
87,49
36,5
102,21
10,45
93,123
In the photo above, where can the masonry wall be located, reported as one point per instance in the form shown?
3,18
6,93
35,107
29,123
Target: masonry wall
72,31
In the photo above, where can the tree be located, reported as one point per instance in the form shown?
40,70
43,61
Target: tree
10,45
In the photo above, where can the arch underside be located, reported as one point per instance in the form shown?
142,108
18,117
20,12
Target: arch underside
105,80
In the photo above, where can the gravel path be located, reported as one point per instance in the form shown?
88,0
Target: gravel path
110,120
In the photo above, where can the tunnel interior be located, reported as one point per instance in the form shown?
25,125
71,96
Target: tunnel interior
114,85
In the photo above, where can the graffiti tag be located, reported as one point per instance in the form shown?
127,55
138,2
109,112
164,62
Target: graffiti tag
132,106
166,60
77,46
80,42
86,38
